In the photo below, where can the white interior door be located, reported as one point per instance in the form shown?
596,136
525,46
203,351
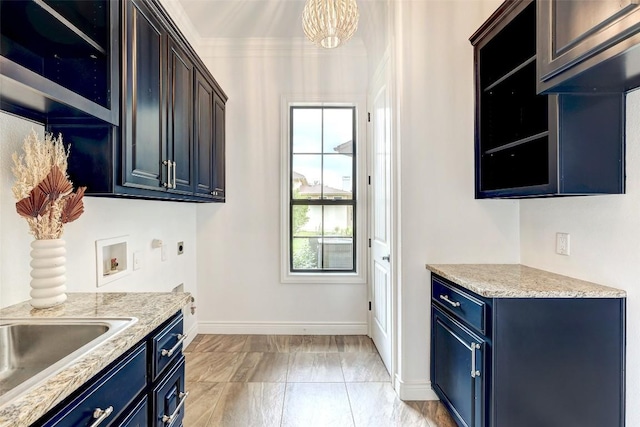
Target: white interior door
381,259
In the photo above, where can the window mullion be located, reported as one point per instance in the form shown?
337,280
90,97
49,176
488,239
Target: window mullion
322,244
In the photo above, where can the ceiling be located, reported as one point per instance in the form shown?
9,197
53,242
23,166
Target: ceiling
236,19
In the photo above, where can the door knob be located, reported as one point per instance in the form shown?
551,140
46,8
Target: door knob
387,258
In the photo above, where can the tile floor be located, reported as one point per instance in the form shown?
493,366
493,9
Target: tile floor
305,381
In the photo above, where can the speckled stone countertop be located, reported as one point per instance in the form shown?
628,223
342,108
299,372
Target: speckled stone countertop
520,281
151,310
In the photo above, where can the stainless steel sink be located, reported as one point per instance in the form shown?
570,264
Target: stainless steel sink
33,349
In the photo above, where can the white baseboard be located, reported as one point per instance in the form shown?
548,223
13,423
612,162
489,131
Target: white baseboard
414,390
191,334
282,328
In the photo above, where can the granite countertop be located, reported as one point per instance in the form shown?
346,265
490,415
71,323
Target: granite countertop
151,310
520,281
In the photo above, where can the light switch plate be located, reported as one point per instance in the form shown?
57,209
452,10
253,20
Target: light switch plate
137,260
563,244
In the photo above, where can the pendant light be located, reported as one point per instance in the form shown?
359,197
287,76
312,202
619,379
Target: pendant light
330,23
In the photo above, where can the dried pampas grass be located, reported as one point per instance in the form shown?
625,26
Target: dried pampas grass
43,190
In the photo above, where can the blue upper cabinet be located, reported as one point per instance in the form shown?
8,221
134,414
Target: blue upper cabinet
60,59
538,145
118,80
588,46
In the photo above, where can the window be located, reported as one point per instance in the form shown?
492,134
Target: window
322,189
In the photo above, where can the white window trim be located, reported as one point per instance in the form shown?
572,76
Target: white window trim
362,248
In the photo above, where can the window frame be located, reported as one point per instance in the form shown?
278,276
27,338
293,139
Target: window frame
359,275
353,202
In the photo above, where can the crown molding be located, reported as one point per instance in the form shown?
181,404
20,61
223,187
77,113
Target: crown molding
277,47
176,11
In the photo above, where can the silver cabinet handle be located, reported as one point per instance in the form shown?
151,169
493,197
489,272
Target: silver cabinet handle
387,258
168,164
474,372
167,419
175,164
446,298
168,353
100,415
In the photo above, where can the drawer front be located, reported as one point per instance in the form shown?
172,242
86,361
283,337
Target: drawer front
460,304
169,398
117,388
139,417
163,342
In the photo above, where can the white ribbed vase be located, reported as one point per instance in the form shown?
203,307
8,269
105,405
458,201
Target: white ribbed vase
48,279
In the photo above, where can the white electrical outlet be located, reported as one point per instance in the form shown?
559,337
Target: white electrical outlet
563,244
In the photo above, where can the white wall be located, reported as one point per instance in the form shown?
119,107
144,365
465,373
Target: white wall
375,29
239,241
104,218
605,244
441,222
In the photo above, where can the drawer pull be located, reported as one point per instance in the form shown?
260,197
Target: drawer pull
453,303
167,419
100,415
169,353
474,373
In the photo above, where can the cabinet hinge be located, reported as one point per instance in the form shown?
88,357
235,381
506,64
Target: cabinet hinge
369,242
369,178
369,117
369,305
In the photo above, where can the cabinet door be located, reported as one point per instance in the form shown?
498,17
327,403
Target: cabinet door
144,142
204,128
180,118
458,369
574,35
219,149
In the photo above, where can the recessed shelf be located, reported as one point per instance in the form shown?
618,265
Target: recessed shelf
112,259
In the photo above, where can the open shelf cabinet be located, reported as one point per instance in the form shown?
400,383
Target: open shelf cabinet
529,144
60,58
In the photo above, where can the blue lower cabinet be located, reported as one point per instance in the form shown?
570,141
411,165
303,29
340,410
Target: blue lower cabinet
108,397
534,365
137,390
169,398
139,416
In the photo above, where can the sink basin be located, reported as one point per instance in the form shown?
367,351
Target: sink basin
33,349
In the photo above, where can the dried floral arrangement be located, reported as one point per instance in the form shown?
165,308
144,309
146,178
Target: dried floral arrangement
43,190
